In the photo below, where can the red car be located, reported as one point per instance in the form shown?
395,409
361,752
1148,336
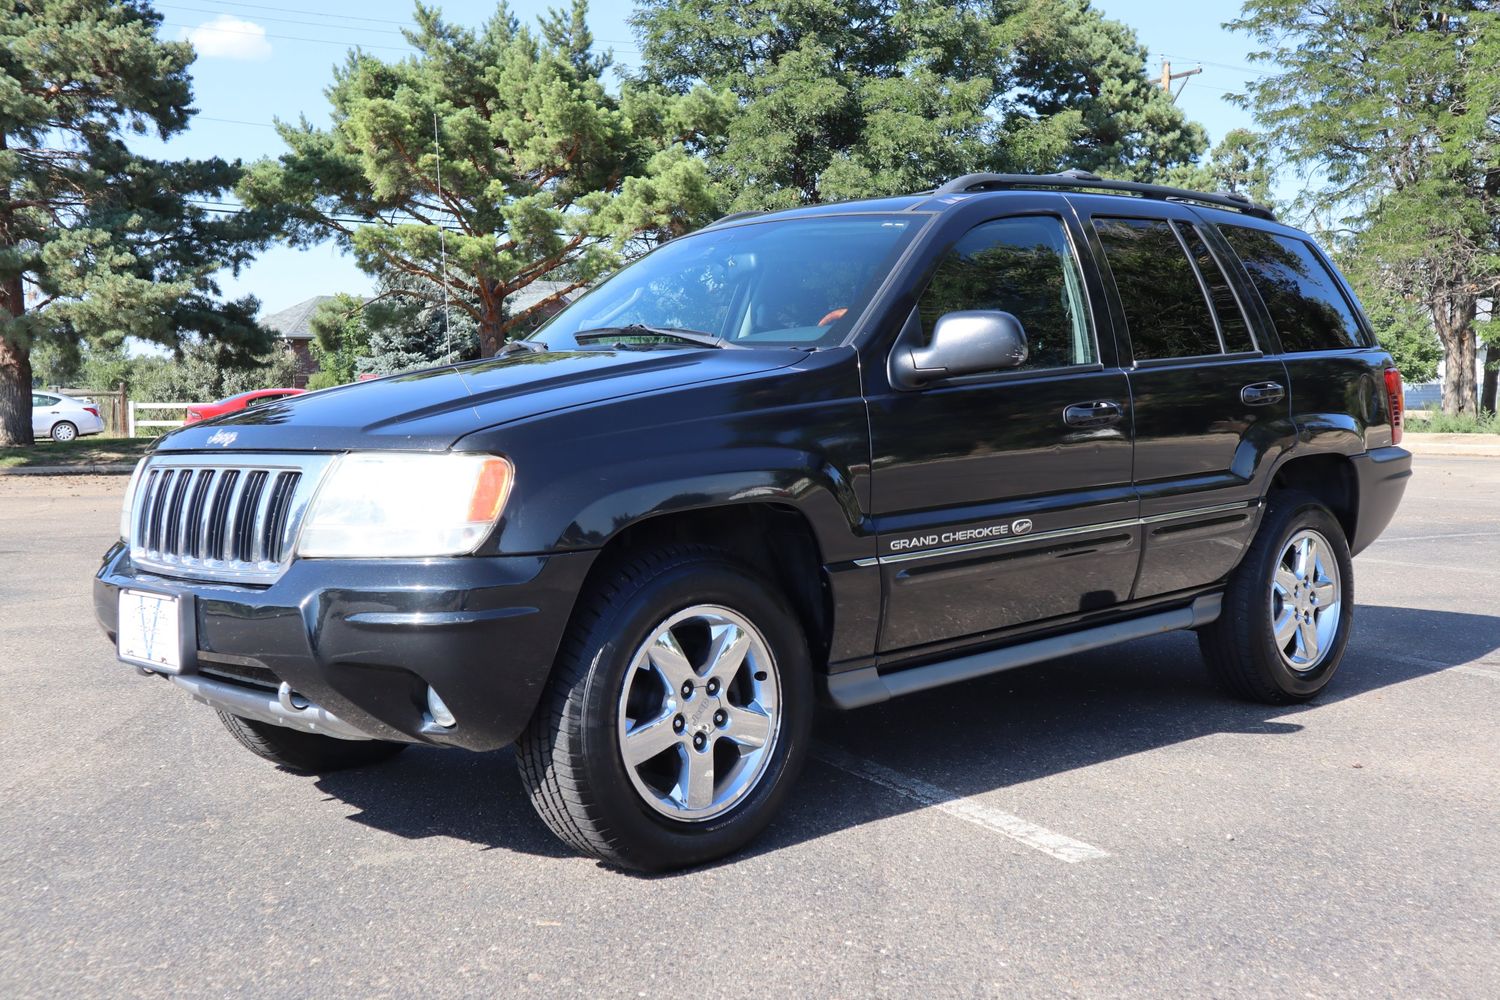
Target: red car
245,400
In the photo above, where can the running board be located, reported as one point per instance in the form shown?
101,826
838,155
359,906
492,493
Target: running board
867,686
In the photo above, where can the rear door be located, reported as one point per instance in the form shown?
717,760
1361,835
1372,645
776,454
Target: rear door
43,412
1211,406
1005,498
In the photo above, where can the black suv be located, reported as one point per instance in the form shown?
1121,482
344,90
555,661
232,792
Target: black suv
845,451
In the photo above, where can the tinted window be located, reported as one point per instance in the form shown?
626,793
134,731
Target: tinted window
792,281
1024,267
1165,310
1304,300
1233,328
38,399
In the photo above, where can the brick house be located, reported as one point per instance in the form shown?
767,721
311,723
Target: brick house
292,325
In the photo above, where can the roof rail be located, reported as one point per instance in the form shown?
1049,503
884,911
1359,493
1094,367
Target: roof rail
734,217
1083,180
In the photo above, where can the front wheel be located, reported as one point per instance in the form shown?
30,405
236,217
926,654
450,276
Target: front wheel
1288,607
677,715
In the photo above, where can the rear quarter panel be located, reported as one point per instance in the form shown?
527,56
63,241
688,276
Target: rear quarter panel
1338,400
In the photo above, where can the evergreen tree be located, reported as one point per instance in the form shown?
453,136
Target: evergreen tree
535,169
819,100
98,242
340,338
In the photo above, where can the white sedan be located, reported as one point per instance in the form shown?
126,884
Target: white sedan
63,418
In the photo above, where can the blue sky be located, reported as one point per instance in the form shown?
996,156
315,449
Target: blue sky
265,59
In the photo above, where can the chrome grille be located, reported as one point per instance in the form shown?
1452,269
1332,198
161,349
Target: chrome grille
233,517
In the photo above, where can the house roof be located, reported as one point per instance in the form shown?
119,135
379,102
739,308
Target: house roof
292,322
518,302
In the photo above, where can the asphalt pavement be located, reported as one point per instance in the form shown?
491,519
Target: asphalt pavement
1107,825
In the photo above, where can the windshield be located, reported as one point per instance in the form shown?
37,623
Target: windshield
791,282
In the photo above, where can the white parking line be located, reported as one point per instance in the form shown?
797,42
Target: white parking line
972,810
1367,560
1428,538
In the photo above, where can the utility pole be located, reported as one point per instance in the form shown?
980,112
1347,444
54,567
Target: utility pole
1167,76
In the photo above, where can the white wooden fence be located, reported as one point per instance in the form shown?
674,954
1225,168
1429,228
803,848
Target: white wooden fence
131,423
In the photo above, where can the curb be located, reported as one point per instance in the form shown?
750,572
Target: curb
69,470
1471,445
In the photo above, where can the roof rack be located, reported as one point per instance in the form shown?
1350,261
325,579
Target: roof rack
733,217
1083,180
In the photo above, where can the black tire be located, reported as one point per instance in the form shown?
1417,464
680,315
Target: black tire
1240,646
308,753
64,431
569,756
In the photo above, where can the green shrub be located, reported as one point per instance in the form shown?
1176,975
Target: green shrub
1441,423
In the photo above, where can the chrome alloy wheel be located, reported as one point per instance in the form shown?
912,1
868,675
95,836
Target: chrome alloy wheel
699,713
1305,600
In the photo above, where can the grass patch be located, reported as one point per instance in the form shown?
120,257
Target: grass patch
1438,422
83,451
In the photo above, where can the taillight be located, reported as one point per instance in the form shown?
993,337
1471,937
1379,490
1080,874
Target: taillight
93,410
1398,403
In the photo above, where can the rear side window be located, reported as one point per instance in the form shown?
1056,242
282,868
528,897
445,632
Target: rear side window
1023,266
1165,308
38,399
1232,325
1306,305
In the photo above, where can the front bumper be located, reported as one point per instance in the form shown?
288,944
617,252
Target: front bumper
348,647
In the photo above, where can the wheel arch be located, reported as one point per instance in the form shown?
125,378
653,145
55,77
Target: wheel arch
774,538
1328,476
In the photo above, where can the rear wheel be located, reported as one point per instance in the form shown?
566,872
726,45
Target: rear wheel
1288,607
63,431
309,753
677,715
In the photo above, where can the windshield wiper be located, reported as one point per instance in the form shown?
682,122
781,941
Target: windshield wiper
663,332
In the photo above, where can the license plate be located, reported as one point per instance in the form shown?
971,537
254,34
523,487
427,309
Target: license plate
150,631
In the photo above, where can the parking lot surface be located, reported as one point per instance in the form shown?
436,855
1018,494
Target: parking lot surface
1106,825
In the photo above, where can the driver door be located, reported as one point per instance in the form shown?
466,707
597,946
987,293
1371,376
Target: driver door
1005,498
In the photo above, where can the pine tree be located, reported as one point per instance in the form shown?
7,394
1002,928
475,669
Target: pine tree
488,160
822,100
96,241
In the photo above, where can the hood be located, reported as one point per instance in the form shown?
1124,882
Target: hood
430,410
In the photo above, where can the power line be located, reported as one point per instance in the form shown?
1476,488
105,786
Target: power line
284,38
232,121
304,10
230,208
266,17
332,18
1218,65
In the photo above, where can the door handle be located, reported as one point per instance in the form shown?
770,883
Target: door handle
1100,413
1262,394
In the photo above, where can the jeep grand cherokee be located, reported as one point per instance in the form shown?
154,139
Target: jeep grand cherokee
845,451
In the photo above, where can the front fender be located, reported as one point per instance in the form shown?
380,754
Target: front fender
798,436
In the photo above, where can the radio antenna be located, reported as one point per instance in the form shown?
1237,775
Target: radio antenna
437,150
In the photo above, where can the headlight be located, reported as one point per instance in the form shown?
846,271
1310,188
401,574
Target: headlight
135,478
388,504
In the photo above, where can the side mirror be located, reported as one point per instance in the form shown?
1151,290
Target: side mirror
963,343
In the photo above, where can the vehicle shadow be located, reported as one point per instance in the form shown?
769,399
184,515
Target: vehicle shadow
969,739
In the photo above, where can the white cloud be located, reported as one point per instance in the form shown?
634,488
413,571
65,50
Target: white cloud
228,37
